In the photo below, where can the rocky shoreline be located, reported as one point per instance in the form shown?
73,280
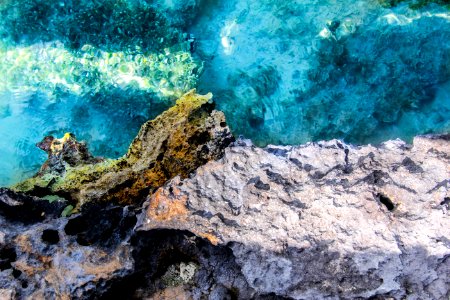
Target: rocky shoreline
189,214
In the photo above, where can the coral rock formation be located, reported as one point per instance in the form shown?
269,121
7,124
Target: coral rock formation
175,143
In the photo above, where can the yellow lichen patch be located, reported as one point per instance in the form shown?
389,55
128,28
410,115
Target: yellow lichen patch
77,176
58,144
165,208
191,100
34,182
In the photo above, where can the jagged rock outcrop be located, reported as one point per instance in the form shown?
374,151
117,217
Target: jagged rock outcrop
324,220
175,143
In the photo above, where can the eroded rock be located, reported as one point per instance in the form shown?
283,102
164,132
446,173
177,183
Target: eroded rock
175,143
322,220
20,208
45,260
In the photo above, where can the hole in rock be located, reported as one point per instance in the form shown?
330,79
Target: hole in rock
7,256
104,226
160,156
24,284
83,240
199,138
386,202
16,273
154,252
75,226
50,236
446,201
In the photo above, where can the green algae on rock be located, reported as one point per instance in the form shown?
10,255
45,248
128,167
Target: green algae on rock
177,142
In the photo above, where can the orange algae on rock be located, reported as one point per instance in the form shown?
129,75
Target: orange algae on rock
177,142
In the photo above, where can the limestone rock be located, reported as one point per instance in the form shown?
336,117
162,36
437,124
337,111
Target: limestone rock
324,220
175,143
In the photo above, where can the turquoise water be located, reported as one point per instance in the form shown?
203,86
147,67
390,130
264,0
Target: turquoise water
284,72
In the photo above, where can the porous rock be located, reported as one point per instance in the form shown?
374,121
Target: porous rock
95,254
324,220
60,258
175,143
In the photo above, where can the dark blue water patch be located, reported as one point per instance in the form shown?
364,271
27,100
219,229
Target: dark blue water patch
110,25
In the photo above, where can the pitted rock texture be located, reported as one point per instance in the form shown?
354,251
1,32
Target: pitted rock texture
60,258
96,254
177,142
324,220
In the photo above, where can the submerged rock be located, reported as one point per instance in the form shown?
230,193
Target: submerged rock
175,143
323,220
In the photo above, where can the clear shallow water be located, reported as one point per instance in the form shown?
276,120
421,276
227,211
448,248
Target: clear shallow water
298,71
283,72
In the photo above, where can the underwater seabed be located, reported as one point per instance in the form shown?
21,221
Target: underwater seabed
299,71
282,72
99,69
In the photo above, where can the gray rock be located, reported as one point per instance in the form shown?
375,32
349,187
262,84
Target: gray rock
60,258
319,221
324,220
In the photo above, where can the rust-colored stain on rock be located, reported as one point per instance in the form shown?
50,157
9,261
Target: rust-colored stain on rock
165,208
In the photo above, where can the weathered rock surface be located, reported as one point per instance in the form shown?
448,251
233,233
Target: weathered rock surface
96,255
60,258
175,143
320,221
324,220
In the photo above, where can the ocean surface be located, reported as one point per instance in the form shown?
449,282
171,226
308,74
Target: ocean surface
283,72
